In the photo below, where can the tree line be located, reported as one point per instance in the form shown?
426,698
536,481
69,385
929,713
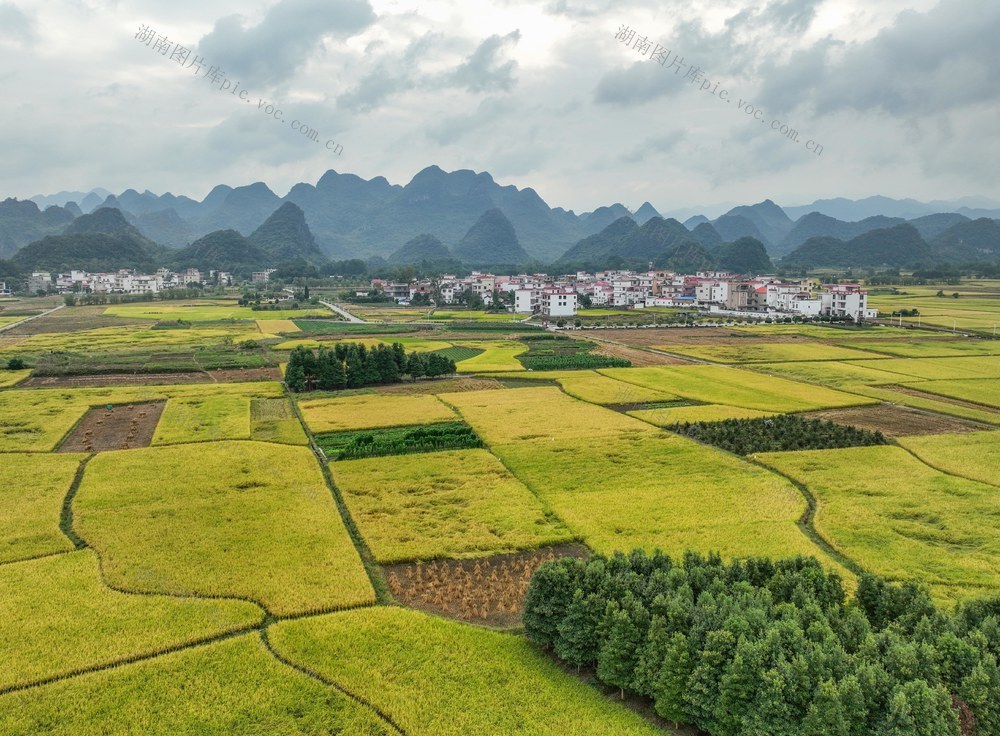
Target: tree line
352,365
758,647
778,434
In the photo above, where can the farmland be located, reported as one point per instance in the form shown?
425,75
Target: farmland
188,545
456,504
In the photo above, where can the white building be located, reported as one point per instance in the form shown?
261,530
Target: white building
527,301
847,300
39,281
4,291
557,302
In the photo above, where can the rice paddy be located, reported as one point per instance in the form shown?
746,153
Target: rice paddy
456,504
205,312
973,455
440,677
769,352
372,411
670,416
498,356
248,520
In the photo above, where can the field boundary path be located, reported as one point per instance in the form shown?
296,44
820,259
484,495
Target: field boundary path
12,325
344,313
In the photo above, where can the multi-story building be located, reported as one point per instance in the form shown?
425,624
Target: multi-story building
558,302
4,290
39,281
846,300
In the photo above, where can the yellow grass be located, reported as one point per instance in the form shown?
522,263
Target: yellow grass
622,483
130,337
593,387
669,416
985,391
898,517
443,678
32,489
974,455
938,368
722,385
242,519
58,618
832,373
460,503
232,687
372,411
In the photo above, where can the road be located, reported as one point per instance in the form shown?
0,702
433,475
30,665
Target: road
12,325
346,315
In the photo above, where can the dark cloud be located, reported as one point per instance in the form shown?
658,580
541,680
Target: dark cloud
483,70
641,82
270,52
923,64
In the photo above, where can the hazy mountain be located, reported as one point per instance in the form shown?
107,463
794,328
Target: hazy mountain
285,236
894,247
491,241
225,250
92,201
165,227
930,226
624,243
60,199
853,210
645,213
73,208
816,225
242,209
692,222
596,248
101,241
744,256
21,222
975,240
769,219
688,257
705,234
604,216
734,227
421,248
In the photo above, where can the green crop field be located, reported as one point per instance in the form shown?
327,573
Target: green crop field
930,348
59,619
900,518
233,687
622,484
769,352
833,373
982,391
735,387
205,311
596,388
936,368
458,315
12,378
372,411
252,520
31,499
460,503
447,679
974,455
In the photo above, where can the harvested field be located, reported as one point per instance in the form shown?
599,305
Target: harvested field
120,428
639,358
487,591
115,379
71,319
896,421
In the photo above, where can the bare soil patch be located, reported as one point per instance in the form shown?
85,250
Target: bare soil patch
242,375
487,591
896,421
72,319
119,428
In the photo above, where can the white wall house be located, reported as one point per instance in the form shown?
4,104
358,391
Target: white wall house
847,300
527,301
559,302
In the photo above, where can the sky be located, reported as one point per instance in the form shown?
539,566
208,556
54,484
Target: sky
589,102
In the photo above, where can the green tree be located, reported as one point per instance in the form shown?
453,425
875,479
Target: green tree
295,377
826,716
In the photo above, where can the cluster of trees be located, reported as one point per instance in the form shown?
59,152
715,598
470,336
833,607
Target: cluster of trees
778,434
352,365
772,647
400,441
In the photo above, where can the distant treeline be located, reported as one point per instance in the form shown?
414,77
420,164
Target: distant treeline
772,647
352,365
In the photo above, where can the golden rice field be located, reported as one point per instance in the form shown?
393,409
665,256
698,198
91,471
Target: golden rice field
36,420
59,619
669,416
372,411
12,378
768,352
833,373
229,687
434,676
734,387
276,326
498,356
973,455
31,499
597,389
207,311
939,368
984,415
274,420
622,484
931,348
458,315
454,504
899,518
250,520
985,391
131,337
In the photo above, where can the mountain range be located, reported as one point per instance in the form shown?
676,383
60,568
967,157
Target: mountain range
480,222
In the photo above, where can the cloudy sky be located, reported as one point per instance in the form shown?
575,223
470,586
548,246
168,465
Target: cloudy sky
902,96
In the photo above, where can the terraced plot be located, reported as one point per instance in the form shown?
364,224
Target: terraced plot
59,619
245,519
32,490
900,518
439,677
623,484
456,504
230,688
734,387
372,411
975,456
